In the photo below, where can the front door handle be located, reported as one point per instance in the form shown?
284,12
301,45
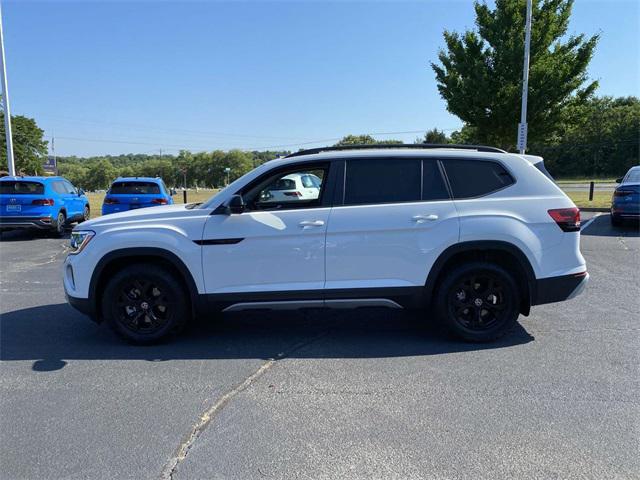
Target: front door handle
311,223
424,218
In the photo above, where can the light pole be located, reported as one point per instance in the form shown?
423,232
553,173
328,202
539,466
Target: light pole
522,127
227,170
5,101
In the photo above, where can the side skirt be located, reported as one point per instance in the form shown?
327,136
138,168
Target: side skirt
396,297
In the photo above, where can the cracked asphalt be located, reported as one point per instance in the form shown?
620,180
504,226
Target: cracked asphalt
349,395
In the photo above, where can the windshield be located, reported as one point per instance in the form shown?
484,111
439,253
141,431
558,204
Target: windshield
21,187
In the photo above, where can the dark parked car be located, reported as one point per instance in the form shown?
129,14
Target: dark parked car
625,203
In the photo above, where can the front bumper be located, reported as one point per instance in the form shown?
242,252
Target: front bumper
41,223
558,289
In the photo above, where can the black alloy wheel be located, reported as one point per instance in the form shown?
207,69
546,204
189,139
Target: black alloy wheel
145,303
479,301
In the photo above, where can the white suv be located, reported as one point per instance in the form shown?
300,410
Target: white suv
478,234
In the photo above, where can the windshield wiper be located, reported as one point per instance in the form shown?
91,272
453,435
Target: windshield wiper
191,206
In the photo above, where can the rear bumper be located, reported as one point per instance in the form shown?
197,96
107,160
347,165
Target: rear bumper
558,289
27,222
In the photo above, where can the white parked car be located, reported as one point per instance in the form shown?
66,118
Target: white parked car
297,186
473,234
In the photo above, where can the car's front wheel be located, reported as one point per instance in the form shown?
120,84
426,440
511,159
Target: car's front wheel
144,304
478,301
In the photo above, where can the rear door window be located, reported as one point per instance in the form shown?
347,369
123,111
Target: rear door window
21,187
134,188
383,180
475,178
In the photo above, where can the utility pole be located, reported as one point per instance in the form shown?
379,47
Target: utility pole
5,100
522,127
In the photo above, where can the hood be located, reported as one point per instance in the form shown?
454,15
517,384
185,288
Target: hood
141,216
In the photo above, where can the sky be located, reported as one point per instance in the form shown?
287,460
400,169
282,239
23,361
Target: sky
116,77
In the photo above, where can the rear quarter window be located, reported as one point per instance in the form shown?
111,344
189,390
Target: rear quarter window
475,178
21,187
135,188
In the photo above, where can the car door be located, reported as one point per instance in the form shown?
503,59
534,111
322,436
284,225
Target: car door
275,245
394,219
75,202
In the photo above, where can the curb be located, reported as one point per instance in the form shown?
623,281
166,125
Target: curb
593,209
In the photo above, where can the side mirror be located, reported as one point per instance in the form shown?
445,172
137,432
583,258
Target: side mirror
80,192
618,180
235,204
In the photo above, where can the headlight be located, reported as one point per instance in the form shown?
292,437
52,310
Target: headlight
79,240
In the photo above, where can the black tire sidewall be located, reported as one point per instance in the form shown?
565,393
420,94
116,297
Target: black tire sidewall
59,227
86,214
164,280
452,279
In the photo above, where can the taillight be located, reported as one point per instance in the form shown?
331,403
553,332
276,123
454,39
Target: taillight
159,201
622,193
292,194
110,201
568,219
43,201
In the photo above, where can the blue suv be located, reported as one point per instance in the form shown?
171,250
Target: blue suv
128,193
45,203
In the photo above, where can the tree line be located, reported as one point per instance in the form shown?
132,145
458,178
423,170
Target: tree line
479,76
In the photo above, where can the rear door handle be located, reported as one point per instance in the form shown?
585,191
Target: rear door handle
424,218
311,223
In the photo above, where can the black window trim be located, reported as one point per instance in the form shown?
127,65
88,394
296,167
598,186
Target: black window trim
343,183
442,160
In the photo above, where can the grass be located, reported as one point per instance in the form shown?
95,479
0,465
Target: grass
584,180
95,199
581,199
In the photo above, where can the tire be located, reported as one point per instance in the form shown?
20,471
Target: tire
132,301
478,302
616,221
61,221
86,214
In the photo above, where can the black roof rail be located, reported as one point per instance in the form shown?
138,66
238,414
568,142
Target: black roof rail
419,146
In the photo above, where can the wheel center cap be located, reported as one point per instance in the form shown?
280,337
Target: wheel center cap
477,302
144,305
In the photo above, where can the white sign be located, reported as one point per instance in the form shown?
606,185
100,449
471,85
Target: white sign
522,136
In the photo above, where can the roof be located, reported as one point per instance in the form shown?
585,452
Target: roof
138,179
31,178
398,146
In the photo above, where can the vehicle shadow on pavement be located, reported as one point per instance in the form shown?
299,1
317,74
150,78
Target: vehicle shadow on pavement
601,227
28,235
51,335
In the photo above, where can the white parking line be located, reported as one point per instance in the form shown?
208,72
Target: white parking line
584,227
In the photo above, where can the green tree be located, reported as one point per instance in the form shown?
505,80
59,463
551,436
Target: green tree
480,72
363,140
434,136
29,145
599,137
100,174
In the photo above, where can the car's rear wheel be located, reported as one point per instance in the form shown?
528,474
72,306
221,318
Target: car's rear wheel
478,301
144,304
616,221
58,228
86,214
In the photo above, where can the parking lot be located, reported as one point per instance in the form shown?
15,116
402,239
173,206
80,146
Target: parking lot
364,394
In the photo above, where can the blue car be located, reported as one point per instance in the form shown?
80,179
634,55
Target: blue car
625,204
128,193
45,203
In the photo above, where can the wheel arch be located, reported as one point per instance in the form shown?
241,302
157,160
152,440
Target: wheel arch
117,259
502,253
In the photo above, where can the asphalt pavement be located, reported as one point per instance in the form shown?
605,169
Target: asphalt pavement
322,395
